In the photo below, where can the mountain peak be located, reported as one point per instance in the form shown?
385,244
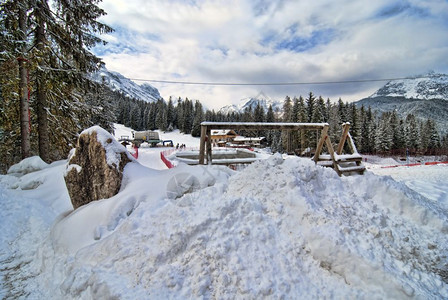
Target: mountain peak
261,98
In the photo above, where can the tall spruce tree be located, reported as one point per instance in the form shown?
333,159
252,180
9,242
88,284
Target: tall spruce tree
310,106
198,118
57,56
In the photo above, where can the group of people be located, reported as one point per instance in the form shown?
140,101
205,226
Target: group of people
182,146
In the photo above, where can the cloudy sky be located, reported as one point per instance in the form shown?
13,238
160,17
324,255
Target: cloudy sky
268,41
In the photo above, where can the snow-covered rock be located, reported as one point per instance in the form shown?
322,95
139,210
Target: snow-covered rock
95,168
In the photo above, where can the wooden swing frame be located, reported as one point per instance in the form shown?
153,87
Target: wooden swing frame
341,163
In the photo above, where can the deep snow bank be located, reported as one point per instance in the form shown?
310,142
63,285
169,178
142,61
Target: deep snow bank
277,228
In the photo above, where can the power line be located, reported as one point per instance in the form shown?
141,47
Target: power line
280,83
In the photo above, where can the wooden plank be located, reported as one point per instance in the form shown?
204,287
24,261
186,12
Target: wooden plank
323,137
345,128
202,144
359,169
264,126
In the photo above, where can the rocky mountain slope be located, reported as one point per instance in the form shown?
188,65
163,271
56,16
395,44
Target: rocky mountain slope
118,82
424,96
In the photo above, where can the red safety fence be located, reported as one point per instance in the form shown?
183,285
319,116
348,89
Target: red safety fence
166,161
430,163
135,154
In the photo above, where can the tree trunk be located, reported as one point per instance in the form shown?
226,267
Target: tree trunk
23,90
42,105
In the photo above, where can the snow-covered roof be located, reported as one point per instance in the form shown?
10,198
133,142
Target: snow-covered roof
223,132
249,139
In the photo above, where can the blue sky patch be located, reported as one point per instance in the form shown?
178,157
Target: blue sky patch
402,7
301,44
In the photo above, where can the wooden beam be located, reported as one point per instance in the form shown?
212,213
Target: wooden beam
345,128
202,144
323,137
331,150
209,145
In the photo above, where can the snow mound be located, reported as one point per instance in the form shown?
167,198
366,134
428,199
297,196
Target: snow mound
280,228
28,165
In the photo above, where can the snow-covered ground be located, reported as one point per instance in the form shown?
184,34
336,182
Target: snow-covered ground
280,228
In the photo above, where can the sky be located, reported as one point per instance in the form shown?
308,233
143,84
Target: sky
268,41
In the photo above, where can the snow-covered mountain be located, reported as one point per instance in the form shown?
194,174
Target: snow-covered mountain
118,82
252,102
426,97
429,86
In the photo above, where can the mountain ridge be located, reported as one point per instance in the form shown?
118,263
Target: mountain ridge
251,102
426,97
117,82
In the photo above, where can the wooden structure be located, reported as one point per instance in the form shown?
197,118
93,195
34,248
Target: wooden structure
341,163
223,135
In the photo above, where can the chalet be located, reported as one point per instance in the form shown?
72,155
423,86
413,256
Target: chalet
221,137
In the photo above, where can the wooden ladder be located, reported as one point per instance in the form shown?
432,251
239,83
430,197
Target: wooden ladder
346,164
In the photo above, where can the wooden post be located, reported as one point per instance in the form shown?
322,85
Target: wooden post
202,144
324,136
209,145
302,140
345,128
331,150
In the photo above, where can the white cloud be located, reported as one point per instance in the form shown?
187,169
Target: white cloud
252,41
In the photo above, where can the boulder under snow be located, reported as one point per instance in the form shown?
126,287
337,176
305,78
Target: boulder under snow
95,167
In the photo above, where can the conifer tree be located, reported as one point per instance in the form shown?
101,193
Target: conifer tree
198,118
170,114
310,106
413,136
270,118
342,111
14,28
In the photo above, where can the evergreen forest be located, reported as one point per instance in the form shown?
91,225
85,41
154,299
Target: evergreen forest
48,96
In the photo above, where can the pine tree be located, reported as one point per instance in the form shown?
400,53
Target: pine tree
161,120
198,118
310,106
188,115
342,111
287,110
383,138
13,25
58,58
180,115
413,136
270,118
433,140
170,114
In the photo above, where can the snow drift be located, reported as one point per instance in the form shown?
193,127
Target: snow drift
279,228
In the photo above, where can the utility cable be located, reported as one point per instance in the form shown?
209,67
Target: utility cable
281,83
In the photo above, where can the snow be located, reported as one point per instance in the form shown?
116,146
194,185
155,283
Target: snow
111,145
280,228
28,165
432,86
